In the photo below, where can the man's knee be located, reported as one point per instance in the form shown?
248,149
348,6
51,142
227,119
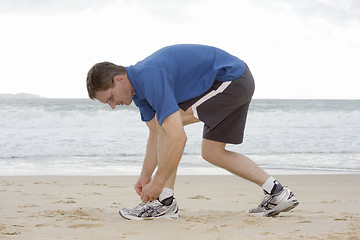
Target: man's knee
210,150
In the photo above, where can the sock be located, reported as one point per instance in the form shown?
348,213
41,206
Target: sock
271,186
166,193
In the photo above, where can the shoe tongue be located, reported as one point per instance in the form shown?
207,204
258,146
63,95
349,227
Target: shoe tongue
168,201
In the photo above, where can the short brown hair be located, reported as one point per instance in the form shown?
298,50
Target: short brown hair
101,76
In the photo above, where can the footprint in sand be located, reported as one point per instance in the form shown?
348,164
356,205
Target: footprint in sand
66,202
329,202
95,184
266,233
213,229
117,186
10,233
29,206
125,235
85,225
8,184
305,221
200,197
115,205
40,183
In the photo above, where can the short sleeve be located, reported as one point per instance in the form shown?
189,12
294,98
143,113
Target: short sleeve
146,111
159,92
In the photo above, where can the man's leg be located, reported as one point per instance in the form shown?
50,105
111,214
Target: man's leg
278,199
238,164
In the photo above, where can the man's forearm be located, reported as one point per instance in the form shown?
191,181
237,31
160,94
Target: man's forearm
169,162
150,161
172,141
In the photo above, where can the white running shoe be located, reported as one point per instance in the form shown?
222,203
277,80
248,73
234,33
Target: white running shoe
167,208
272,205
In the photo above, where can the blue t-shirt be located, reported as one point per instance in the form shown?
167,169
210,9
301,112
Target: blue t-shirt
178,73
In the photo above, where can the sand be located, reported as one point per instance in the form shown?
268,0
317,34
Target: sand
211,207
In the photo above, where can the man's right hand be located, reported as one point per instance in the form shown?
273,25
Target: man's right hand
141,183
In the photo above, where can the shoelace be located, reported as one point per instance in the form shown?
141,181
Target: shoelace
267,201
149,208
139,206
147,205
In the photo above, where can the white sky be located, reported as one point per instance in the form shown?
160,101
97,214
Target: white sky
295,49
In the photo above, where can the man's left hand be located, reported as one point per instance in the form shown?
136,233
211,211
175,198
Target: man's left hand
151,191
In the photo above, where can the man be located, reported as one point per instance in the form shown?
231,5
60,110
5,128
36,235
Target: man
176,86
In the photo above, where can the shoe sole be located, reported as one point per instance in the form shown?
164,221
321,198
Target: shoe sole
280,208
127,216
276,210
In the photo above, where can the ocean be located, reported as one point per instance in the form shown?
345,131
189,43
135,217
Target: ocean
83,137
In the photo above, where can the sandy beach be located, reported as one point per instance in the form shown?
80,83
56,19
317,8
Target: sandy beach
211,207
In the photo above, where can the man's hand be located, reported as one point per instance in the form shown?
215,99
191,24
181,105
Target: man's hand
141,183
151,191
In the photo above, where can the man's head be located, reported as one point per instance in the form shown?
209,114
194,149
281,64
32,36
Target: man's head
109,84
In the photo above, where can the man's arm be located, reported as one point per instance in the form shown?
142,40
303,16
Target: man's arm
175,144
150,161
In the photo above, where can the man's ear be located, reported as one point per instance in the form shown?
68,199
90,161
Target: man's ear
117,78
120,77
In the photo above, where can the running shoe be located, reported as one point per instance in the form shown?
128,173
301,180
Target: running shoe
272,205
167,208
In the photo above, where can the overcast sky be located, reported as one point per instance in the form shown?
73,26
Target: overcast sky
295,49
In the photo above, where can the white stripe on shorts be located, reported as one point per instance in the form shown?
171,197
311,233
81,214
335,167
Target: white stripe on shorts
211,94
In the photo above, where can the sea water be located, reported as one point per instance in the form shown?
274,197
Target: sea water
84,137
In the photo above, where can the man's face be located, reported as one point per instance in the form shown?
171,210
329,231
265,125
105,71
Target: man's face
119,94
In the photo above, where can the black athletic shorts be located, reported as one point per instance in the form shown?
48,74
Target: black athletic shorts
223,108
